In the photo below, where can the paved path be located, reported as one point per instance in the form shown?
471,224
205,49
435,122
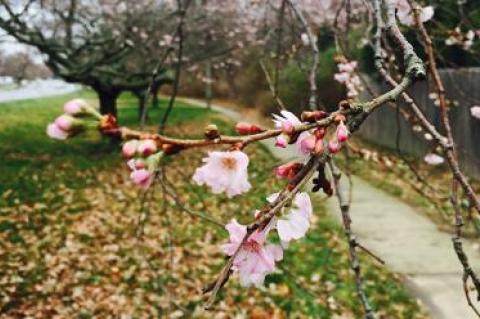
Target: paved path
409,243
38,89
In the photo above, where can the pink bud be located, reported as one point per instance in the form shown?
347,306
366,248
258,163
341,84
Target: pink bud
53,131
342,132
307,144
74,107
334,147
142,177
147,147
281,141
64,122
288,170
287,127
129,148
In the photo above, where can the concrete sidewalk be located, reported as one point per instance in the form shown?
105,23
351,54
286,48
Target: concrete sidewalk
409,243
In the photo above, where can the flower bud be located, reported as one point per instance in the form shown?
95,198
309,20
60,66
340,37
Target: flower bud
129,148
342,132
288,170
244,128
75,107
308,144
334,147
147,147
142,177
53,131
282,141
211,132
65,122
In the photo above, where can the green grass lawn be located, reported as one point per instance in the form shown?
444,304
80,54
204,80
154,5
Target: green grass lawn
68,215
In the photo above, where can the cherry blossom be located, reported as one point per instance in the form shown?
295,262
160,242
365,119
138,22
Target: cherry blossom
286,119
297,222
224,172
348,77
433,159
405,13
255,259
475,111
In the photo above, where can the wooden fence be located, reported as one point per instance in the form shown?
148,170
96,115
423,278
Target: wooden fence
462,88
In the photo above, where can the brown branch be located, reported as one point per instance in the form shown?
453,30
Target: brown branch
344,203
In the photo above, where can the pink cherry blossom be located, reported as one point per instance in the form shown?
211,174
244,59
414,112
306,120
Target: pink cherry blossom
74,107
297,222
142,177
130,148
65,122
53,131
146,147
224,172
342,132
254,259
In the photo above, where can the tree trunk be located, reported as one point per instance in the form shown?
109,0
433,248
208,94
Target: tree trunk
155,101
108,101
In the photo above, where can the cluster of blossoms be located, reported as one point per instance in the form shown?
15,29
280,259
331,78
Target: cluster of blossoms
347,76
143,159
306,143
255,257
227,172
457,37
74,120
406,16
